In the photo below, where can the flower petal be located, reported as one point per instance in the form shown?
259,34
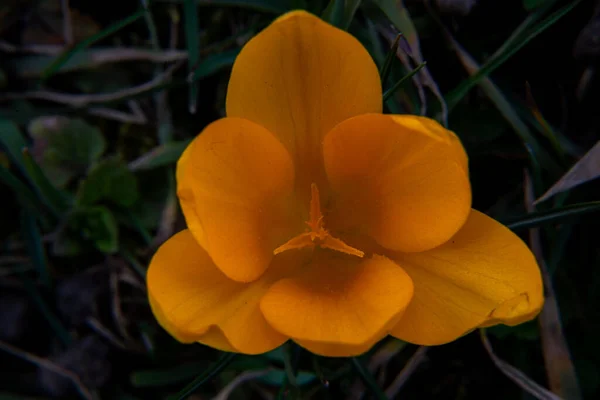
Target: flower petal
485,272
299,78
194,301
401,179
341,350
235,183
338,300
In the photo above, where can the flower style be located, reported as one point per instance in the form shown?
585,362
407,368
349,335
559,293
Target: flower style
314,217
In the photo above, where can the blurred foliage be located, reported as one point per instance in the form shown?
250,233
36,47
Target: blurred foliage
99,99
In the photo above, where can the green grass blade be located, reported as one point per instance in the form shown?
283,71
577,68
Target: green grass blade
351,8
384,72
556,215
538,155
491,65
13,143
368,379
33,240
192,30
66,55
58,201
212,64
334,13
405,78
210,373
27,199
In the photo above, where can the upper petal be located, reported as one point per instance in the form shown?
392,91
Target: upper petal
235,183
299,78
401,179
194,301
484,273
338,304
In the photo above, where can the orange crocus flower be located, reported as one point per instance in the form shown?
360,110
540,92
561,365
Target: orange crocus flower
314,217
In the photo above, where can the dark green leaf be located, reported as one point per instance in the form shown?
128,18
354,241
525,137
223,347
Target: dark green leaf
65,147
109,181
95,225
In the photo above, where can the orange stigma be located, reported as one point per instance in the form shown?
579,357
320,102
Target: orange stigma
318,235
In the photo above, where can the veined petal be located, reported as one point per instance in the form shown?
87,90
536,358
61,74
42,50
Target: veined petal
338,304
299,78
484,274
235,183
194,301
403,180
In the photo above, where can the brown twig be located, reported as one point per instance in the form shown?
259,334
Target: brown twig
117,115
411,366
103,331
84,100
50,366
67,22
117,313
519,378
99,56
559,366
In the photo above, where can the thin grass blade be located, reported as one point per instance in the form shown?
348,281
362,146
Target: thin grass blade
385,68
66,55
537,153
217,367
554,216
492,64
405,78
368,379
334,13
33,240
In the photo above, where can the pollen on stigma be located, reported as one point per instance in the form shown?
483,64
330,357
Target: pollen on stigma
317,235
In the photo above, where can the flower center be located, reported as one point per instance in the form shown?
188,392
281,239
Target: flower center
317,235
